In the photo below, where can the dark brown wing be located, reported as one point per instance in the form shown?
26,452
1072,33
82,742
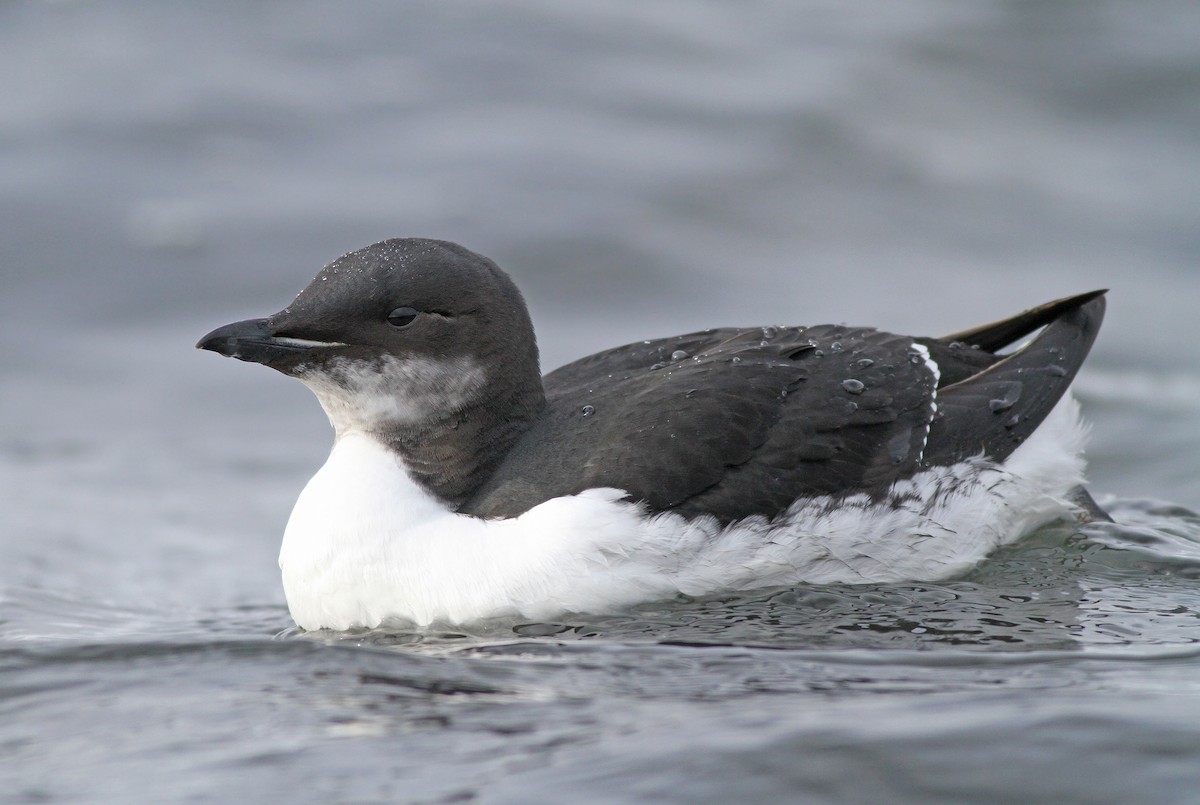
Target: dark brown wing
740,422
728,422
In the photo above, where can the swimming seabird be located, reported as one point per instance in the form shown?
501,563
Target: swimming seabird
462,484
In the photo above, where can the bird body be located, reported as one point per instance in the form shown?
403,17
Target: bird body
462,485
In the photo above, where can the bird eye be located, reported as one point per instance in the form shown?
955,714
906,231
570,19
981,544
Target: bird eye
402,317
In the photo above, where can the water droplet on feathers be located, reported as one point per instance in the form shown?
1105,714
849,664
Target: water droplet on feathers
853,386
679,355
898,446
587,410
1011,392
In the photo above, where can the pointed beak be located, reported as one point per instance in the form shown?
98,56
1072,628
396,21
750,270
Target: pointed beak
256,341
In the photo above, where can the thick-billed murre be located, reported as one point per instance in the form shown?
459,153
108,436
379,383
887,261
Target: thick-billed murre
464,485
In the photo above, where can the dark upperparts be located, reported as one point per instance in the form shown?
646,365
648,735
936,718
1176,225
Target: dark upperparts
739,424
728,422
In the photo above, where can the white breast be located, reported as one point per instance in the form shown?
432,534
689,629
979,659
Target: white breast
365,544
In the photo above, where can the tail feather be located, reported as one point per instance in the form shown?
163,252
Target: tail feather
999,334
994,410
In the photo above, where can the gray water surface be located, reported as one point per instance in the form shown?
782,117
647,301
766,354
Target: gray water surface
641,170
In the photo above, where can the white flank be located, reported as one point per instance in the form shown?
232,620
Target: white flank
365,544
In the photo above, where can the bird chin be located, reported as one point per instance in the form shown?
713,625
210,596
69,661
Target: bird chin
387,392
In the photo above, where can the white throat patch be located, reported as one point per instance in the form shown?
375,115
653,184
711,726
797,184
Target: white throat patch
366,396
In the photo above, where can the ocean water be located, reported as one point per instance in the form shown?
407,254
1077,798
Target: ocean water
641,170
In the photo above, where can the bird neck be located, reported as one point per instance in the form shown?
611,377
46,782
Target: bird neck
453,453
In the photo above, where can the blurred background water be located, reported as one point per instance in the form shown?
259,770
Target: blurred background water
641,170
